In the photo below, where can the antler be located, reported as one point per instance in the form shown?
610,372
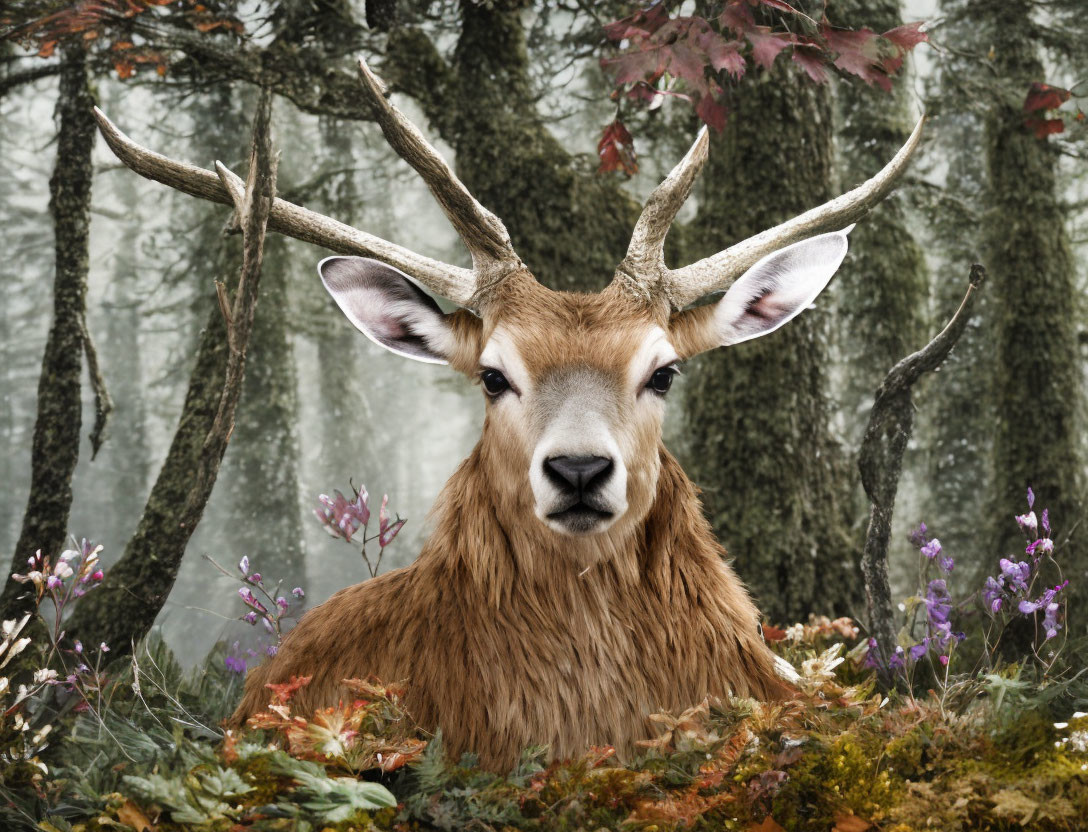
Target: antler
484,235
643,271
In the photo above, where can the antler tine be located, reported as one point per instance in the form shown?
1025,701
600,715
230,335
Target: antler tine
718,271
483,233
643,269
453,282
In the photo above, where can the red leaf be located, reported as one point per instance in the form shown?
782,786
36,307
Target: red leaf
1043,127
642,23
907,36
859,53
766,45
631,67
685,62
617,150
1045,97
811,61
712,112
737,16
771,633
722,53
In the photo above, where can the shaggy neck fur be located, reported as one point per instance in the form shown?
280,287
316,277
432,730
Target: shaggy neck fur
509,636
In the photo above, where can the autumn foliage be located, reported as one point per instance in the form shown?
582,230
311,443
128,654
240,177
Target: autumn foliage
697,59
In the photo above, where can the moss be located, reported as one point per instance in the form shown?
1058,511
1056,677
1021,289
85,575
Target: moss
55,448
1039,384
757,414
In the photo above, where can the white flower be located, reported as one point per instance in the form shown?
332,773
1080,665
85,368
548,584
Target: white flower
46,674
1079,741
795,632
63,571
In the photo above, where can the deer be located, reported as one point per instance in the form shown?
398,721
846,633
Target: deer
572,586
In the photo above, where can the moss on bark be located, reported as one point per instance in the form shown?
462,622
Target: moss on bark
56,429
570,225
882,288
760,447
1038,381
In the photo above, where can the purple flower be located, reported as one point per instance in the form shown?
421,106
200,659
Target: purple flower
1031,498
250,617
246,594
1016,575
235,664
947,563
268,625
991,594
342,517
1042,546
272,649
896,662
1050,620
243,565
255,578
919,650
918,536
944,660
932,549
872,655
298,592
281,602
1046,522
1027,522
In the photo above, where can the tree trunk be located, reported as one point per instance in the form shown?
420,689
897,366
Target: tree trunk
262,468
56,430
123,609
570,225
757,413
1039,387
883,286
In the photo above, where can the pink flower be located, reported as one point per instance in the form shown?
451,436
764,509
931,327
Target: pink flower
342,517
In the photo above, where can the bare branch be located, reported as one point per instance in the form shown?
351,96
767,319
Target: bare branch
880,461
103,404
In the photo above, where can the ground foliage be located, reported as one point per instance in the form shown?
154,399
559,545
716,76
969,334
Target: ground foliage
1000,752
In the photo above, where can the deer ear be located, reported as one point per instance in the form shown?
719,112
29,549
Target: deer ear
388,308
778,288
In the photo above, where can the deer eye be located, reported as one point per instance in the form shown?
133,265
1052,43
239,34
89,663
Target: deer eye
661,380
494,382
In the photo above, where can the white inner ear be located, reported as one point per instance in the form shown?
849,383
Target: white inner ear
388,308
779,287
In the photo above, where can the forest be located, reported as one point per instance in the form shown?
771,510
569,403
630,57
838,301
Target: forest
200,447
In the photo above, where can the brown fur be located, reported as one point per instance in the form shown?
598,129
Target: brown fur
509,634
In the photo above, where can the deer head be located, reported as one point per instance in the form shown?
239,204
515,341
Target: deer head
575,383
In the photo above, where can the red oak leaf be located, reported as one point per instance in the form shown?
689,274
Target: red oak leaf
722,53
712,112
737,16
907,36
766,44
811,61
617,150
1043,127
1045,97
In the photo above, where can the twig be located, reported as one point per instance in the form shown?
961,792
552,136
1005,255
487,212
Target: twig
103,404
880,463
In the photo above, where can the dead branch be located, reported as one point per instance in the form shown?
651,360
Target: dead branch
103,403
880,461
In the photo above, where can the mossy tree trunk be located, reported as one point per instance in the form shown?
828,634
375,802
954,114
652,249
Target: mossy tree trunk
262,468
1038,382
757,413
882,288
57,426
570,225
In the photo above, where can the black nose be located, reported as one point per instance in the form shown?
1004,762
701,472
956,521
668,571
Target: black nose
578,474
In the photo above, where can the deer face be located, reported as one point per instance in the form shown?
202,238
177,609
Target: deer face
576,383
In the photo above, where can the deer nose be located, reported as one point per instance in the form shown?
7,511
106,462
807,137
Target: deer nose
578,474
